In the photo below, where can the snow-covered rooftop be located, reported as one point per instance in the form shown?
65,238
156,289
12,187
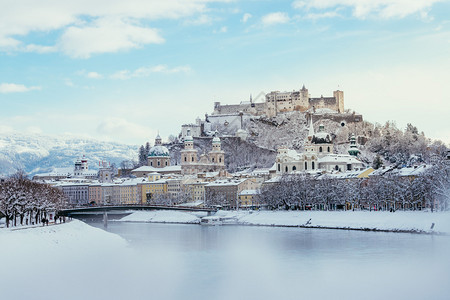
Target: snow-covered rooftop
249,192
158,170
158,151
226,182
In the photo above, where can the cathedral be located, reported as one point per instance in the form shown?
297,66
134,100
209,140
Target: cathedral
158,156
318,156
212,162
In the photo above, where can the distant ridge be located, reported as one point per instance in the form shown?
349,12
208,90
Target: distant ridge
38,153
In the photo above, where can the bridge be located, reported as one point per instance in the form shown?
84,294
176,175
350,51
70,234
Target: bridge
71,212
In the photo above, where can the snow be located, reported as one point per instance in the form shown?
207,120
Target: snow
418,221
45,262
157,170
162,216
159,151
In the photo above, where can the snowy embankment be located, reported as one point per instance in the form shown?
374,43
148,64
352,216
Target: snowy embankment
51,240
164,216
408,221
45,262
360,220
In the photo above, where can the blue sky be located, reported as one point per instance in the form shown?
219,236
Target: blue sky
122,70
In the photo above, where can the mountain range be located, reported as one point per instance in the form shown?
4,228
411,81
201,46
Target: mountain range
37,153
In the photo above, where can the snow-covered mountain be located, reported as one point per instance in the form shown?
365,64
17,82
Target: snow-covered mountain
37,153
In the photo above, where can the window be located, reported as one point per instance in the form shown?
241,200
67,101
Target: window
312,165
286,168
279,167
220,159
151,163
159,163
320,149
185,158
294,168
213,159
166,163
328,149
306,165
192,158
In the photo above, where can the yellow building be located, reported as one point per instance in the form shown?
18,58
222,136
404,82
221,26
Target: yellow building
248,198
95,194
129,193
153,189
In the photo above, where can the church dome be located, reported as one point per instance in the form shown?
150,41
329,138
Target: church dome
322,138
158,151
188,138
216,140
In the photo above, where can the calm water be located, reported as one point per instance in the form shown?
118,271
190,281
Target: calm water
238,262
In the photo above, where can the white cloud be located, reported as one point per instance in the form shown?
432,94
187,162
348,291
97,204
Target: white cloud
8,43
39,48
106,35
201,20
68,82
372,8
89,26
275,18
123,129
34,130
298,4
246,17
6,88
123,74
222,29
94,75
328,14
147,71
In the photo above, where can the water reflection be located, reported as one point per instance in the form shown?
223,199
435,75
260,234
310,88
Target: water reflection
235,262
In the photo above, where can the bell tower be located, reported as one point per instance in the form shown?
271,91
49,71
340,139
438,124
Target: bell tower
188,155
216,155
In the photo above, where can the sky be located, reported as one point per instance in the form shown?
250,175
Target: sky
126,70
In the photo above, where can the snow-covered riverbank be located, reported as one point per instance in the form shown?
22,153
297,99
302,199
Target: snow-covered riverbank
164,216
418,221
32,259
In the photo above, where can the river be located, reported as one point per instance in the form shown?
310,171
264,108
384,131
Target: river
244,262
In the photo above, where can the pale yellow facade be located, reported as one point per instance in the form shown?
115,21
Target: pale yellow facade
129,194
151,189
95,194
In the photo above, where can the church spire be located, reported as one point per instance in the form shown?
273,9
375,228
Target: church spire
158,140
311,128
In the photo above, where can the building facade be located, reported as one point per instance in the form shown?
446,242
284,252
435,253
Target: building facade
212,162
158,156
318,156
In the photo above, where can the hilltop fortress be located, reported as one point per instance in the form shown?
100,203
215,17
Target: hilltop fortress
279,102
234,119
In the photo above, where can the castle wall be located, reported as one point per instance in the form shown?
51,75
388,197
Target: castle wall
245,107
279,102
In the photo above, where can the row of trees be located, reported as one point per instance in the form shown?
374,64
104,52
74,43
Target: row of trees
387,192
24,202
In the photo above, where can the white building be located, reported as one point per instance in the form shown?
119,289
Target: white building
317,157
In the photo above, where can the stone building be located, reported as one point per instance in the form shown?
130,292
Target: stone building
211,162
279,102
225,192
158,156
318,156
